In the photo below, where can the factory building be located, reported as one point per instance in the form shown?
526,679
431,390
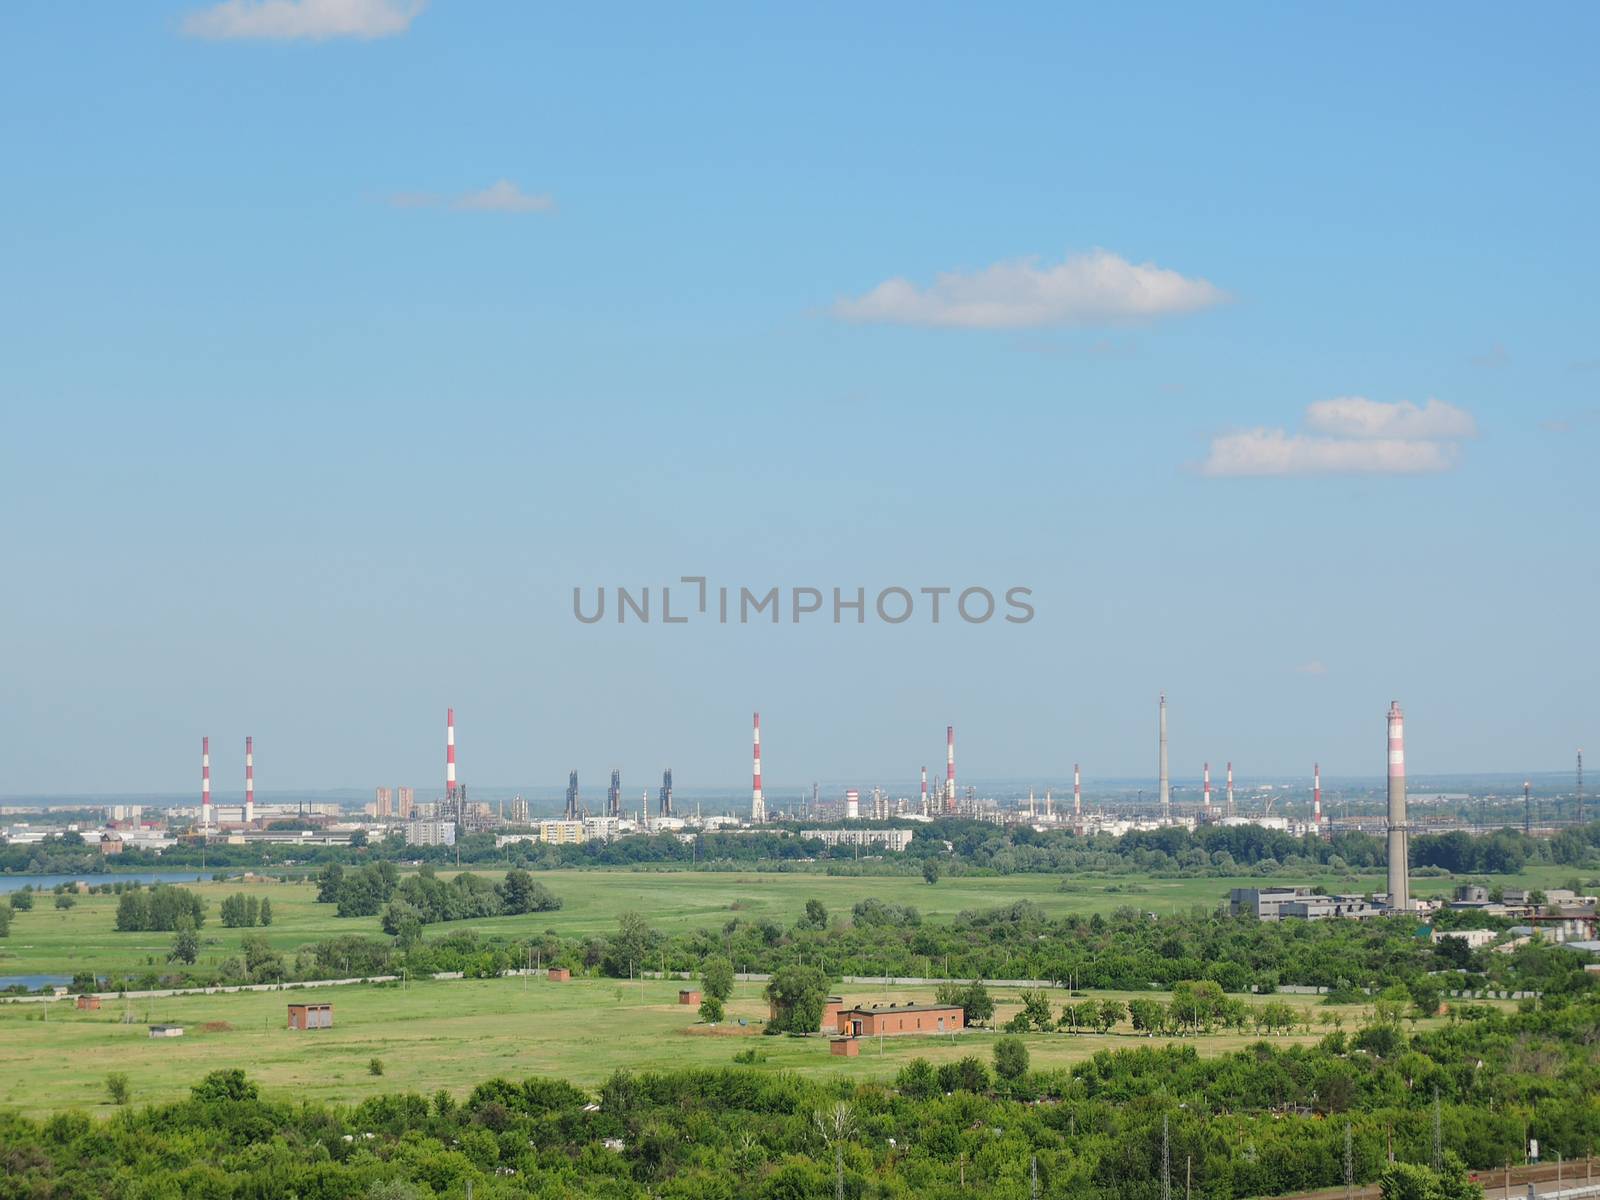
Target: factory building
891,1020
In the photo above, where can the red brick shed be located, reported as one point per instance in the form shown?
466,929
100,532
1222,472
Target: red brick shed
558,974
310,1016
893,1019
689,996
88,1002
848,1047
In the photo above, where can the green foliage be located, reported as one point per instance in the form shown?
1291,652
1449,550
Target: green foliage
917,1080
717,977
66,900
118,1088
977,1005
22,901
798,994
243,911
375,1066
931,870
225,1086
5,920
1412,1181
185,943
159,909
711,1011
1011,1058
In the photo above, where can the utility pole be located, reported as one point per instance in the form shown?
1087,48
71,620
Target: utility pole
1166,1160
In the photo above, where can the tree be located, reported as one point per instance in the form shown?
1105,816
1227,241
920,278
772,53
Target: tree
1035,1012
231,1084
716,978
816,915
930,870
1111,1011
266,911
1146,1016
798,994
65,901
117,1087
1412,1181
329,881
185,944
5,920
22,901
711,1010
917,1080
261,961
1426,994
1011,1058
631,947
977,1006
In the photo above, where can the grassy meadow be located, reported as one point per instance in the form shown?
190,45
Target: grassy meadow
48,940
454,1034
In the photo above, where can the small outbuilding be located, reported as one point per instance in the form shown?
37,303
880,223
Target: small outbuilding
558,975
689,996
165,1031
310,1016
87,1003
846,1047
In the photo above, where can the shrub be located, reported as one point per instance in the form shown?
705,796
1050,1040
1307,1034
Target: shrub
117,1087
375,1066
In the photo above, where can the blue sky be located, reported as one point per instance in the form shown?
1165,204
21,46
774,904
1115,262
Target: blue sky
334,362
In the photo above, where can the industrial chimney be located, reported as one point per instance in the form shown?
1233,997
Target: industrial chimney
1399,839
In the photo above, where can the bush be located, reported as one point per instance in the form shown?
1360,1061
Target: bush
375,1066
711,1010
117,1087
1010,1059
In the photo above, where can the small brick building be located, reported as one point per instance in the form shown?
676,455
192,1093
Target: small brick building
310,1016
689,996
889,1020
848,1047
558,975
88,1003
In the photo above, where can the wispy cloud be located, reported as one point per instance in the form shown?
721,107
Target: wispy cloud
1358,417
502,197
1349,436
311,20
1084,289
505,196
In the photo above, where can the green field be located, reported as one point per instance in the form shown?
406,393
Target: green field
454,1034
51,941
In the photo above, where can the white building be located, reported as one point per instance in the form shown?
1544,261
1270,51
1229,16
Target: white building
431,833
889,839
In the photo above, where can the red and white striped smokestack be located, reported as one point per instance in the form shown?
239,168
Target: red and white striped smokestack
950,768
924,791
1208,789
205,783
758,803
1316,794
249,779
1399,840
449,752
1077,792
1230,787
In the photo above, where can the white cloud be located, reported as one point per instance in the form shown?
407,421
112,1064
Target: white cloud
1358,417
1276,452
505,196
316,20
1086,288
1349,436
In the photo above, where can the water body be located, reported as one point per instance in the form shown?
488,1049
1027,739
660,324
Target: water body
15,883
34,982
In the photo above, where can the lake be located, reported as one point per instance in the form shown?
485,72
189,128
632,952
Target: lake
15,883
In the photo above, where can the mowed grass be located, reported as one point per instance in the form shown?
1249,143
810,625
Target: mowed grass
61,942
454,1034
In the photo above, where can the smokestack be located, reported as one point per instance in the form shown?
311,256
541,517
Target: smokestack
664,800
925,811
1399,838
1077,793
1316,795
1049,806
205,783
449,753
1527,808
249,780
1230,788
1208,791
949,768
758,803
1166,799
614,795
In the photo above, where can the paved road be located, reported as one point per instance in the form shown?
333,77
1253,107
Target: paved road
1547,1181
